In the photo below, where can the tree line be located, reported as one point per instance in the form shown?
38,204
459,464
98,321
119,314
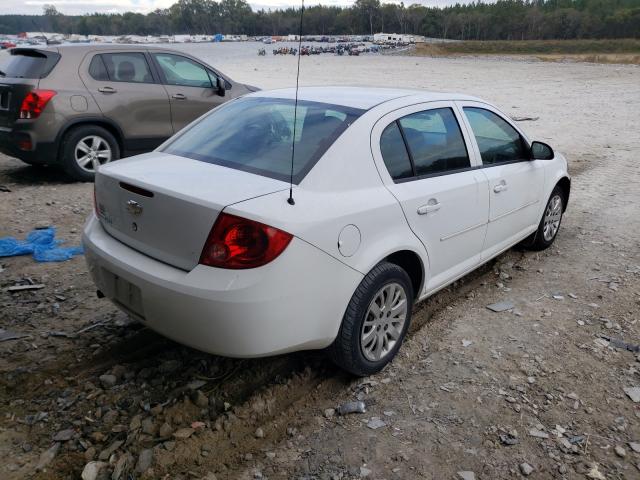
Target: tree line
502,20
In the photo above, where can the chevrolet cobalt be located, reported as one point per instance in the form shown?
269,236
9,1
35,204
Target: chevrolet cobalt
394,195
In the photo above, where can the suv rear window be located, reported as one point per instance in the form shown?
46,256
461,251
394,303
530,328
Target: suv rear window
28,63
255,135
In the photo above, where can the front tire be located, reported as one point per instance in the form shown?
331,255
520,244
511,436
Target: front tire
376,321
550,223
85,148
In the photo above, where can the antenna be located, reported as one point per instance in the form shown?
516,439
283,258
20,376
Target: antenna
46,40
290,200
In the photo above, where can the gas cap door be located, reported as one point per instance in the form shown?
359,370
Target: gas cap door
349,240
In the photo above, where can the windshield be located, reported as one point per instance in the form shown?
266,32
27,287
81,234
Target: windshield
255,135
29,64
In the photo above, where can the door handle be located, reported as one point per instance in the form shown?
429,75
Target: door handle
501,187
107,90
432,206
179,96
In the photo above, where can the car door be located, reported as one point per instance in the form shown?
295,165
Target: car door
515,181
192,88
127,93
421,153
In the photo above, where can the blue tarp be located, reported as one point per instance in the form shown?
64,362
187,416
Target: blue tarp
41,243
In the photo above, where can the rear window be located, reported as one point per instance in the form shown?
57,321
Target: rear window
28,64
256,135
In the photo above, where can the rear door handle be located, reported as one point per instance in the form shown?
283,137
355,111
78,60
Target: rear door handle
501,187
179,96
432,206
107,90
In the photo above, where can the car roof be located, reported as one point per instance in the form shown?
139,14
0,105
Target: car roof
363,98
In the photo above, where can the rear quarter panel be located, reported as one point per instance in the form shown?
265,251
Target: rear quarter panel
72,99
343,188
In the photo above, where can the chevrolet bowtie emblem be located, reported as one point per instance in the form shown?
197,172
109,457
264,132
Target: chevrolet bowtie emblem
134,208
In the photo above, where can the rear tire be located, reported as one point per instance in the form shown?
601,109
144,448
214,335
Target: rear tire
376,321
85,148
549,224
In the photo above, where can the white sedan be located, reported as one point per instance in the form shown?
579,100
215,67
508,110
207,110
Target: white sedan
395,194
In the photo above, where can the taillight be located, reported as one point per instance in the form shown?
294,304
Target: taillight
236,242
34,103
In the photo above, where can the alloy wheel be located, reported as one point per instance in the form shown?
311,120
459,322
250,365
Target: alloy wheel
384,322
91,152
552,217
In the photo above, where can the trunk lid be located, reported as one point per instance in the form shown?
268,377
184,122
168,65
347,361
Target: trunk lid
164,205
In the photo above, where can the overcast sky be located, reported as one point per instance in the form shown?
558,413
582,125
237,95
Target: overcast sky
78,7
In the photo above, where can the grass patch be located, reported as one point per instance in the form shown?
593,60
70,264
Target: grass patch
625,50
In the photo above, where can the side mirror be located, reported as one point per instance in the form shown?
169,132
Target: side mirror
541,151
222,86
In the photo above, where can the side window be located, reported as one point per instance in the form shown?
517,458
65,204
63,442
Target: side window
127,67
97,70
182,71
435,141
394,153
498,141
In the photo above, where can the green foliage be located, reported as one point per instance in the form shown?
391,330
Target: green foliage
502,20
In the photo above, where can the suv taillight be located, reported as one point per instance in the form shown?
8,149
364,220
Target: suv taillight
236,242
34,103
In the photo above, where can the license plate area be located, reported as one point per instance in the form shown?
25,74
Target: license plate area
123,292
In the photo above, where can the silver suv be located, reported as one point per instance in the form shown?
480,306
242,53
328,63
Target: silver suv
80,106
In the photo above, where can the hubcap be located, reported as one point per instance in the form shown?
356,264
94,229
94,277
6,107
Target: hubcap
384,322
552,217
91,152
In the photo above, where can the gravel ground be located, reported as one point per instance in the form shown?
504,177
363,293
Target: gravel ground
543,390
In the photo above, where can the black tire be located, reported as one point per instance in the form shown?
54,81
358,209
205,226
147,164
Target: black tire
68,150
537,241
346,350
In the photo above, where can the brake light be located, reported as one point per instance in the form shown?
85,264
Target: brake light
237,243
34,103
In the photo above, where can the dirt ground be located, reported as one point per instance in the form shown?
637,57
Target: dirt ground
538,390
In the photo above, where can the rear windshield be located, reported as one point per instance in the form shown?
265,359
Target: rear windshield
255,135
28,64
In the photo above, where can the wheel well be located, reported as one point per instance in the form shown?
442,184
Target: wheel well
106,125
565,185
410,262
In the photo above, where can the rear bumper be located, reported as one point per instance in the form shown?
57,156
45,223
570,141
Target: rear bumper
39,153
294,303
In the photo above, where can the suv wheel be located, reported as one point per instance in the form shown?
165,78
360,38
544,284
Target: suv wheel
375,322
85,148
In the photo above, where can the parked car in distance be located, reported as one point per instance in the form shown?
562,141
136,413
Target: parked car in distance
81,106
396,194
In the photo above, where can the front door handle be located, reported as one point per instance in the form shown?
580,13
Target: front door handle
501,187
107,90
179,96
432,206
